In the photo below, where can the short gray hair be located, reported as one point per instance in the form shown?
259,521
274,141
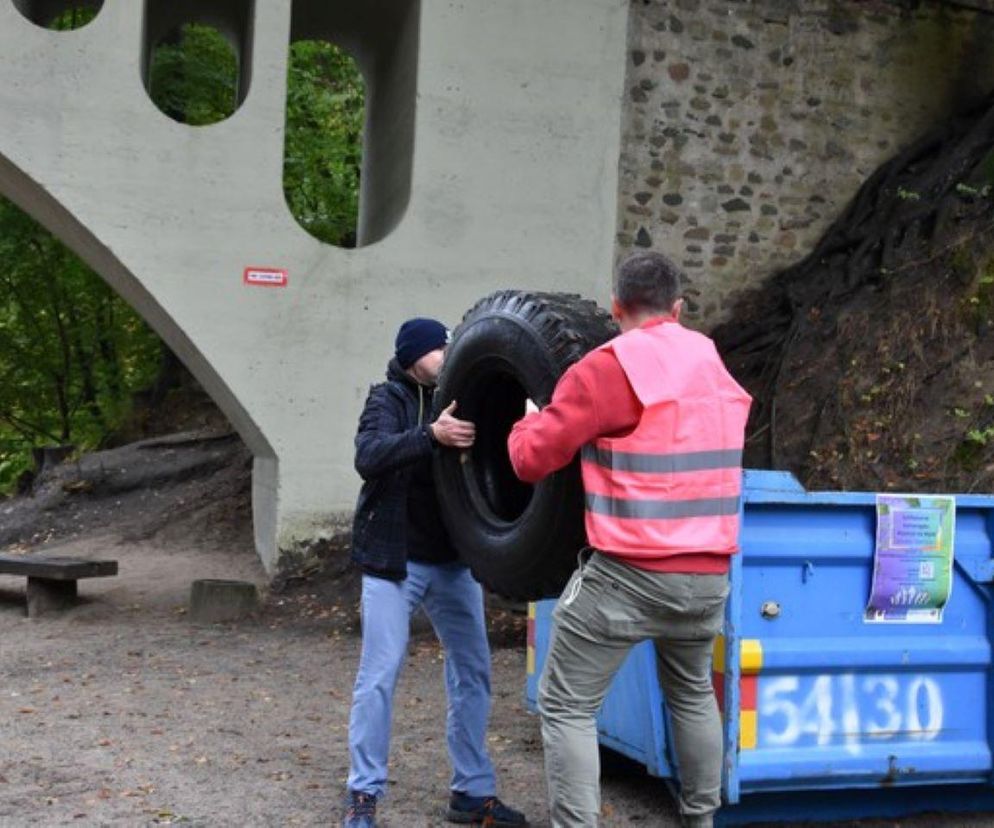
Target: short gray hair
647,282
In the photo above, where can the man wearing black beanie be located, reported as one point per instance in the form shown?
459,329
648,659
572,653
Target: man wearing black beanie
407,561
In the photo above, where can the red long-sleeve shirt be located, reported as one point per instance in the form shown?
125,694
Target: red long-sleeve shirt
593,398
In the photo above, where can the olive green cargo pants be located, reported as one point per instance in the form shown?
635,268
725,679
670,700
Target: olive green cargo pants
606,608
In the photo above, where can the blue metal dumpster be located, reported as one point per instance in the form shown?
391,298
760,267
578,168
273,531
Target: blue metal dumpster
814,700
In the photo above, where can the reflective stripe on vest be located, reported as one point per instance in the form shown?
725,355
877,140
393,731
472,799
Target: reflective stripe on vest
662,509
630,461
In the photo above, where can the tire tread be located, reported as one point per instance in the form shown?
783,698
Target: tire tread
567,326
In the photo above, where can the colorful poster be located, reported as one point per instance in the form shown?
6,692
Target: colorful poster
913,564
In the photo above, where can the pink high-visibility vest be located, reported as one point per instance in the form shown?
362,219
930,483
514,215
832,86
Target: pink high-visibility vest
673,485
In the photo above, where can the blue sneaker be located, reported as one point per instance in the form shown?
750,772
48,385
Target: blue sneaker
360,812
483,810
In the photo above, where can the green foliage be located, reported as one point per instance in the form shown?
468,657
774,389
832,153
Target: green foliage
194,78
980,436
324,115
71,351
974,449
74,17
966,190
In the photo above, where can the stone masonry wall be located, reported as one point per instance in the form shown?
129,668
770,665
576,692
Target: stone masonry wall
748,126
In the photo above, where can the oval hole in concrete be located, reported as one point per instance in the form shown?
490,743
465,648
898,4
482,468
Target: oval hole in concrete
197,57
384,38
322,151
193,75
59,15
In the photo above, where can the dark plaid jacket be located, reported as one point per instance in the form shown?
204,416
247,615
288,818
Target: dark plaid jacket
397,515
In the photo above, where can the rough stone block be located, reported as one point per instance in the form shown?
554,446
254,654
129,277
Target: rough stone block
214,601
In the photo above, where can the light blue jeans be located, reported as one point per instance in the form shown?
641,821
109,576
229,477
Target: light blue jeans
453,601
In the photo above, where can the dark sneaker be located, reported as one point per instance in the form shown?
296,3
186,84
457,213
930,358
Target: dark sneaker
360,811
483,810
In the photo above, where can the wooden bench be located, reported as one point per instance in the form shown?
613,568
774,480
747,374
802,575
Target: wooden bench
52,580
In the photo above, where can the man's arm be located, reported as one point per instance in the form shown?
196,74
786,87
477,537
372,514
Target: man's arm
593,398
383,444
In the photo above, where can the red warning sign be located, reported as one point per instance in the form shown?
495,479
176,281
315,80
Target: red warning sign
265,276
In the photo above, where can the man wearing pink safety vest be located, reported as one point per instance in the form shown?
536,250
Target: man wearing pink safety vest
661,426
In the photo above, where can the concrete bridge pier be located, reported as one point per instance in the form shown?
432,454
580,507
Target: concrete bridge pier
491,160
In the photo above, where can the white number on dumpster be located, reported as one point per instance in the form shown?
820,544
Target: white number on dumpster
847,709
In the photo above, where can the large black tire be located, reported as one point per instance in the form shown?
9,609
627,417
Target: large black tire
521,541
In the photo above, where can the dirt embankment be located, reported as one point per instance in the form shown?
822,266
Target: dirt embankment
871,360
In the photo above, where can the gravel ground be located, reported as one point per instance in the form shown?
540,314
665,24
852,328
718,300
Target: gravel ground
123,712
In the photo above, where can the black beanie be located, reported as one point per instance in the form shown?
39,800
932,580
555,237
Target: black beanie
418,337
